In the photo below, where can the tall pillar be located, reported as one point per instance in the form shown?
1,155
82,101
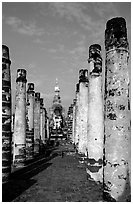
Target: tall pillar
42,122
41,118
30,122
19,147
43,126
37,124
83,110
70,120
47,127
6,114
95,115
117,112
73,124
76,139
46,137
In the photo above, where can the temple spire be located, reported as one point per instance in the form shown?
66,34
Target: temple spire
57,93
57,89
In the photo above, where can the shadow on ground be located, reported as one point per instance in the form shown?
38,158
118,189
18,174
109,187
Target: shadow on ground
21,180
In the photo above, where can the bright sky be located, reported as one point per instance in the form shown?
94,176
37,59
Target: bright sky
51,40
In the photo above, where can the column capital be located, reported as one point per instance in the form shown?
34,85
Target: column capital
116,34
96,59
83,75
37,96
30,88
21,75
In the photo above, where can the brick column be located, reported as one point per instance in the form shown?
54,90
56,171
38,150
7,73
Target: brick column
43,126
6,114
45,114
30,122
76,139
37,124
73,124
83,110
41,118
47,127
19,150
95,115
70,120
117,112
45,122
42,122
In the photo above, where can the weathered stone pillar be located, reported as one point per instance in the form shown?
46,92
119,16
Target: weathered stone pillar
37,124
30,122
47,127
41,118
95,115
44,126
83,110
73,124
19,147
76,139
42,122
117,112
46,138
45,130
6,114
70,120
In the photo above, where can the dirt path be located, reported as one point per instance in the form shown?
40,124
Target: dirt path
59,179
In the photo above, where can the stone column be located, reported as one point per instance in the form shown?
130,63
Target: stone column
47,127
30,122
37,124
45,121
70,120
95,115
6,114
73,124
83,110
44,126
46,137
117,112
19,150
41,118
42,122
76,139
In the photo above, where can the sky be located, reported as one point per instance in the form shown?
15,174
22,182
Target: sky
51,40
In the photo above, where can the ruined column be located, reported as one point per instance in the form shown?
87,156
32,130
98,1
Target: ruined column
73,124
6,114
42,123
30,122
47,127
117,112
83,110
37,124
70,121
95,115
19,147
76,139
46,137
45,112
44,126
41,118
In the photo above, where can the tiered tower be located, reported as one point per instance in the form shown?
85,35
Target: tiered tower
56,115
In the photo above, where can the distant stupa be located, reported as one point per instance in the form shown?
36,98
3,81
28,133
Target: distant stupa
57,98
56,111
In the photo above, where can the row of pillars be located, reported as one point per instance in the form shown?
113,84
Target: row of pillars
30,128
101,117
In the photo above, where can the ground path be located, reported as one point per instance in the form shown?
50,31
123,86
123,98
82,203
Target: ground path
57,179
